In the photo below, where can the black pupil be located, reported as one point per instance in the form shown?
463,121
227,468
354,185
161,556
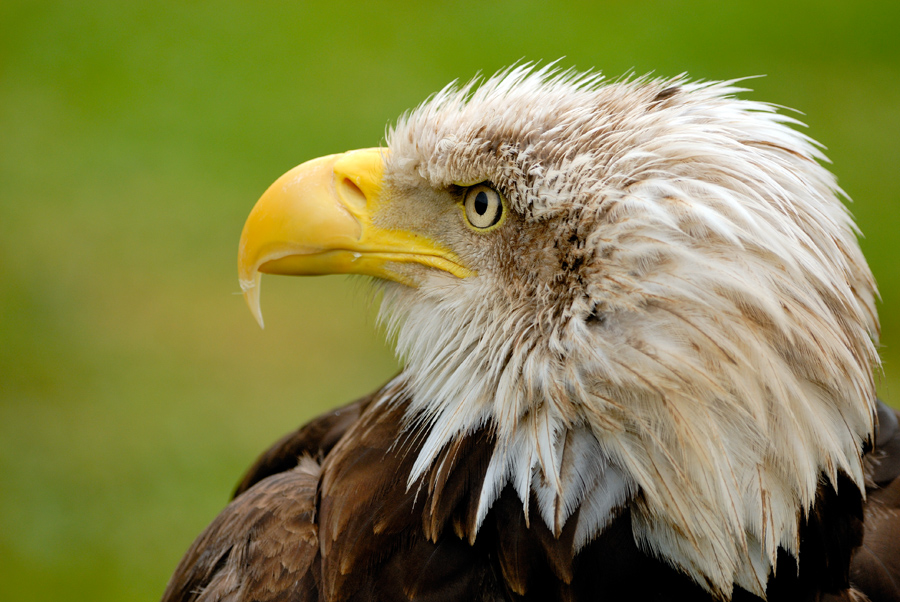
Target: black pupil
481,203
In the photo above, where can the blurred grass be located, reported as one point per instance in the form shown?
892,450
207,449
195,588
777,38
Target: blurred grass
135,137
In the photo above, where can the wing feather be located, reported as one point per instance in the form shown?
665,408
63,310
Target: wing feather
875,568
261,547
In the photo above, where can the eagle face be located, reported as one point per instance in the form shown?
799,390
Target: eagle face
648,291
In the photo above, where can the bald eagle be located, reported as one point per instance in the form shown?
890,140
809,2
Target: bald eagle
639,339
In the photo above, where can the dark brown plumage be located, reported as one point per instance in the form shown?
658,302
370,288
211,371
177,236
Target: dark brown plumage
363,536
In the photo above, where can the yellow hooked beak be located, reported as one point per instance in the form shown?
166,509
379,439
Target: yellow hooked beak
318,219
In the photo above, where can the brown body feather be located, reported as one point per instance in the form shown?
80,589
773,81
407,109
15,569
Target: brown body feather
325,514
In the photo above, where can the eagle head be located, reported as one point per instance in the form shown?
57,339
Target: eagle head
648,290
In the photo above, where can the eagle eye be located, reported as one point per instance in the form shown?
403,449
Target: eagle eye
483,206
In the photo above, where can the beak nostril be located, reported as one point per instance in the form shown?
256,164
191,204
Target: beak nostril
351,193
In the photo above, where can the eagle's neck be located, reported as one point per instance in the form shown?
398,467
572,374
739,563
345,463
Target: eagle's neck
713,486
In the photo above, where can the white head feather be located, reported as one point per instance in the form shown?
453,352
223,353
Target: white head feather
683,315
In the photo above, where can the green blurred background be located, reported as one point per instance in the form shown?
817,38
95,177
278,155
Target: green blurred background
135,137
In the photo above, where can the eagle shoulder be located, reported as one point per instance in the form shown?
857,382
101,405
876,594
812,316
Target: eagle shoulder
260,547
875,568
269,528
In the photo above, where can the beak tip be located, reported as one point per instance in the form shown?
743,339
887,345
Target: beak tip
250,289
